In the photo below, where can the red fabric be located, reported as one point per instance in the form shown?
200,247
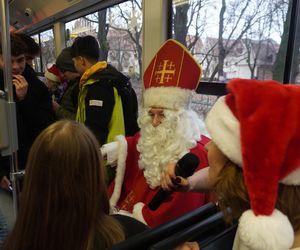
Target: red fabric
268,113
135,189
172,67
54,70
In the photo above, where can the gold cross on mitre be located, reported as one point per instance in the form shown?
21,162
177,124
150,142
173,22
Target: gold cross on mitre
165,72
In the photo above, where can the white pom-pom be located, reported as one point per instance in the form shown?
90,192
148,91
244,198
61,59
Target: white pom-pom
262,232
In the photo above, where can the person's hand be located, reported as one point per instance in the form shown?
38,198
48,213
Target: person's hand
21,86
4,184
55,105
188,246
170,182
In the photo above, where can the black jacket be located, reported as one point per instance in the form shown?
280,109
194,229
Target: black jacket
34,113
98,121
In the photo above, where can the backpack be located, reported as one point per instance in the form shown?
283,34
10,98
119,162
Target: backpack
127,94
130,108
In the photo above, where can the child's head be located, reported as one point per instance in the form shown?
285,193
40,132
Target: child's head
64,202
53,77
87,47
85,53
66,65
33,49
256,127
18,53
65,188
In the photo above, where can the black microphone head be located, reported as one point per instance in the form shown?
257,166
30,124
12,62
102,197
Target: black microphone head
187,165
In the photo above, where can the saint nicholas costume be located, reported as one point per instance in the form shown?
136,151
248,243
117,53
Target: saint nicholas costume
169,81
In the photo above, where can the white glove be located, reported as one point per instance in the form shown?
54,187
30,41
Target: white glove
110,152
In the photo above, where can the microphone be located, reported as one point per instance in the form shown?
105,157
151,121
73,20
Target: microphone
185,167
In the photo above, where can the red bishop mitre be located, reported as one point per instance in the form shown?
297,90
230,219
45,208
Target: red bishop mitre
171,77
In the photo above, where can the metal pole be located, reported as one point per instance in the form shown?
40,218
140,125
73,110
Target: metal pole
11,109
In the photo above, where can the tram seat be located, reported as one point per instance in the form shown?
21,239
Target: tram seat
223,240
209,233
149,237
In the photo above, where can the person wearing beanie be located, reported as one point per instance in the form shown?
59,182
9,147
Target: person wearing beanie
64,61
169,130
255,134
67,106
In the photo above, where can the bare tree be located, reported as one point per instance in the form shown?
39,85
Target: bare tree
103,28
133,26
187,17
99,18
234,21
181,23
121,20
256,41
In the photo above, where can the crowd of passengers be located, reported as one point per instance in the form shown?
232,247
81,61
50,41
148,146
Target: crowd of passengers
76,196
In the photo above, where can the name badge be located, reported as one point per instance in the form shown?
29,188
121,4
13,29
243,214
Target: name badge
97,103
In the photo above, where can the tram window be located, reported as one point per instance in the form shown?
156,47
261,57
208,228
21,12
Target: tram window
203,103
230,39
47,48
237,38
36,63
118,30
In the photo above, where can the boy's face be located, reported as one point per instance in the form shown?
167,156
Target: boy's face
18,64
79,64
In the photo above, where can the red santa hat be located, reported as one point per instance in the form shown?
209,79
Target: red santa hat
171,76
257,126
53,73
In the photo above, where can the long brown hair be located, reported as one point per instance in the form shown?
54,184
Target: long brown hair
232,192
64,203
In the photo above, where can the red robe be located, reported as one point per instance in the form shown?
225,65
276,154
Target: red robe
135,193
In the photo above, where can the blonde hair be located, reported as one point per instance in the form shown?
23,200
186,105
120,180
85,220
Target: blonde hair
232,192
64,202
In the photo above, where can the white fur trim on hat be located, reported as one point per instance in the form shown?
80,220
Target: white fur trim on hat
224,130
120,171
293,178
51,76
138,212
167,97
265,232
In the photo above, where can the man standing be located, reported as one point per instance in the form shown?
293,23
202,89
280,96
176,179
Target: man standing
67,107
100,105
33,102
169,130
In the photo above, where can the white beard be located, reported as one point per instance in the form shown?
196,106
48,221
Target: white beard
174,137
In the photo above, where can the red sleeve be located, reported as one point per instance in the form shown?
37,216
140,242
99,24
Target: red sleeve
177,205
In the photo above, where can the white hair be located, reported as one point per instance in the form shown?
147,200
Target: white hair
178,132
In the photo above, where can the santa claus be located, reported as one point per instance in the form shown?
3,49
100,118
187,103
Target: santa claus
169,130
